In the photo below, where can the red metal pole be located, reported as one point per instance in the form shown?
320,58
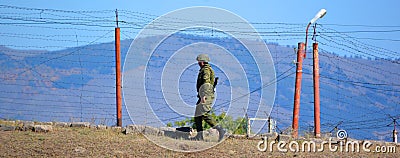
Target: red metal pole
317,127
296,107
118,76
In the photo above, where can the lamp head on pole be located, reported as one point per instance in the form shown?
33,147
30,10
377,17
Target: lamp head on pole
320,14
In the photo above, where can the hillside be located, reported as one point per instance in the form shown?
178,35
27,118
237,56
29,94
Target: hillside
77,84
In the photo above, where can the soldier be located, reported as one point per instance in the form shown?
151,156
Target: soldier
205,91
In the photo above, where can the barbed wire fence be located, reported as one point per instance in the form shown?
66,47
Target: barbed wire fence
63,70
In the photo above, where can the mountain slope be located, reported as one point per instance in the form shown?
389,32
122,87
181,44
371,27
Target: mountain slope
78,83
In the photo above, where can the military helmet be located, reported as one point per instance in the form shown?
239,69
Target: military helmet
203,57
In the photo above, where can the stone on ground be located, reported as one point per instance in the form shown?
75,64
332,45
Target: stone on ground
43,128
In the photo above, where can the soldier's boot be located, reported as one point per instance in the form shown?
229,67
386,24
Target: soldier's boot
198,137
221,132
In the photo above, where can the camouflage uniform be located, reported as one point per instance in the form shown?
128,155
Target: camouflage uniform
205,88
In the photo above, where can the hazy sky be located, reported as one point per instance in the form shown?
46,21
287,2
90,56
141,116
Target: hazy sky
339,11
343,12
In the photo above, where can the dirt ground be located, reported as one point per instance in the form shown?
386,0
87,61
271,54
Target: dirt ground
88,142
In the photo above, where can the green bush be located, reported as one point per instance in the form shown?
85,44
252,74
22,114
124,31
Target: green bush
237,126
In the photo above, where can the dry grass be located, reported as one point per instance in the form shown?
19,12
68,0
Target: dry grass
87,142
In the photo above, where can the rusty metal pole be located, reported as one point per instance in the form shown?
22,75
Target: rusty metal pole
317,127
296,107
118,74
247,126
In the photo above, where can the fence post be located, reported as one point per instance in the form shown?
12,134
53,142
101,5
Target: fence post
247,126
296,106
118,73
317,127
